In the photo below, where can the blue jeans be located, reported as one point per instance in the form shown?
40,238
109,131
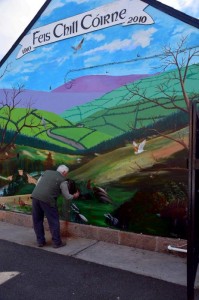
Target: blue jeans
39,210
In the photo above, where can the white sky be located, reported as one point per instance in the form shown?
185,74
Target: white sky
15,15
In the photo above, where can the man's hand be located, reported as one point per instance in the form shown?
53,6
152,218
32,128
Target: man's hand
76,195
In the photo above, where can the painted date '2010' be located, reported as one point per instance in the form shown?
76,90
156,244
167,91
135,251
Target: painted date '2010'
136,19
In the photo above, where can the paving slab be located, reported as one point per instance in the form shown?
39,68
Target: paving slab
157,265
26,236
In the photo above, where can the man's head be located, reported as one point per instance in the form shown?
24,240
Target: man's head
63,170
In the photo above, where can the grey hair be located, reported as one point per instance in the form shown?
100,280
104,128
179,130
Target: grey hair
62,168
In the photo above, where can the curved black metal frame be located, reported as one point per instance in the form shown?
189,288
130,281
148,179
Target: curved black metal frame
193,206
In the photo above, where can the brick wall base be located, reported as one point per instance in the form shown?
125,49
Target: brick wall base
68,229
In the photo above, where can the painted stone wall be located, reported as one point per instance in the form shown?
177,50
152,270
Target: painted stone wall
103,87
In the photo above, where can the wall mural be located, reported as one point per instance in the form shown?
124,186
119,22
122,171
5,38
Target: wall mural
103,87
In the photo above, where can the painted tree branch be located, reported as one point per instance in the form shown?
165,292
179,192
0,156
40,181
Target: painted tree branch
8,106
179,59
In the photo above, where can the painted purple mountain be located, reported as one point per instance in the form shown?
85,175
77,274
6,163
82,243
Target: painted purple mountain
97,83
75,93
52,102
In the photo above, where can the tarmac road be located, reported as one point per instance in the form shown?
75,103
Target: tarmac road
45,275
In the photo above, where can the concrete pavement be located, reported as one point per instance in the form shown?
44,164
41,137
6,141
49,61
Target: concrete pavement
167,267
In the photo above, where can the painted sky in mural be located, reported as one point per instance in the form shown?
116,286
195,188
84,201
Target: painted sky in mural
140,46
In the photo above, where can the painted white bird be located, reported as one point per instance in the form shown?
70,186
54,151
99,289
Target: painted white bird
79,46
79,160
139,148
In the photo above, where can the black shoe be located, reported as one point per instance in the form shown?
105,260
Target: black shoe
62,244
41,244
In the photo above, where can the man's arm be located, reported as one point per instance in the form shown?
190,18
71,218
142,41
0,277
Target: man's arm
65,191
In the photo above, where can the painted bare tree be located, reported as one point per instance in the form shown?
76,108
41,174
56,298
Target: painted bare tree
179,60
11,122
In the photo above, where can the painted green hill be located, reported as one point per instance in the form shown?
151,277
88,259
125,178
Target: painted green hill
127,107
79,138
51,128
42,121
118,120
121,162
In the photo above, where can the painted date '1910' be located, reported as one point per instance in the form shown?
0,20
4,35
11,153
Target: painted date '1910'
26,50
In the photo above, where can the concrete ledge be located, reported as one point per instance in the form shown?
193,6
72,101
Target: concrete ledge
16,218
68,229
16,199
